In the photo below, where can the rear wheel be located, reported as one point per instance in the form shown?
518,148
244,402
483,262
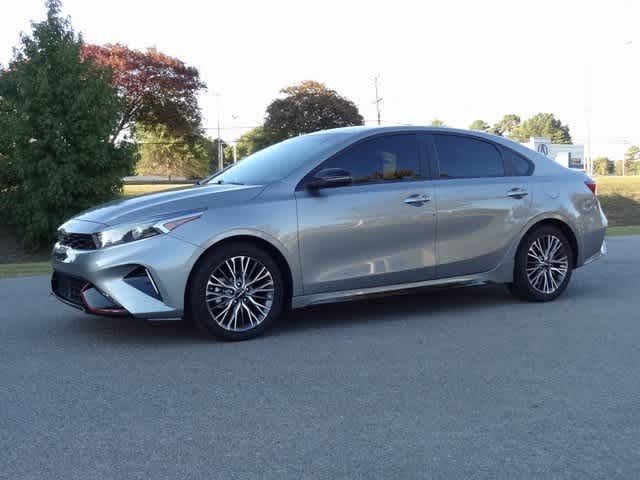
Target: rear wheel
236,292
543,265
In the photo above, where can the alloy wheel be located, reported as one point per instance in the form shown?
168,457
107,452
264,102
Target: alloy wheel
239,293
547,264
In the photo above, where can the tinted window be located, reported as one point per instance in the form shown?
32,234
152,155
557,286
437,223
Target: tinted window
518,165
392,157
464,157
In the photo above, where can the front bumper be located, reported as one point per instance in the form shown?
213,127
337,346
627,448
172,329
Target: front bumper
78,293
102,277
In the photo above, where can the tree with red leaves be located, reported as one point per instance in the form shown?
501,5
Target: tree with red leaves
156,89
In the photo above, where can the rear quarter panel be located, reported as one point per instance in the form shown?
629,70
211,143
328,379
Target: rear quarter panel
565,197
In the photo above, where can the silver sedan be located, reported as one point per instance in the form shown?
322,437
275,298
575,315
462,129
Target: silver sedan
330,216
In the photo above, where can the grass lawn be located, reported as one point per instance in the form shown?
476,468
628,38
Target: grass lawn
133,190
8,270
621,231
620,199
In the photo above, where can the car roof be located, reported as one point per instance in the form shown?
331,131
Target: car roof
366,130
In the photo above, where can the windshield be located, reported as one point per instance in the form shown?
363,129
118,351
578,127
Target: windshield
277,161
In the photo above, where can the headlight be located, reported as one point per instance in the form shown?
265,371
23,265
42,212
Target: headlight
125,234
138,231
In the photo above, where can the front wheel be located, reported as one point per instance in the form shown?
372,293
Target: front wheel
236,292
543,265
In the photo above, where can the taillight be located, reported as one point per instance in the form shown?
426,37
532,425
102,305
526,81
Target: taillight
592,186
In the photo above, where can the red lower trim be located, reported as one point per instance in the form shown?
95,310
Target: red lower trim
100,311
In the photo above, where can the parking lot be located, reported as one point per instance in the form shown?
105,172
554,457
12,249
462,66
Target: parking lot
465,383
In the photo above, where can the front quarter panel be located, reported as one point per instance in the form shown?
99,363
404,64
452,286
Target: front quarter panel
271,217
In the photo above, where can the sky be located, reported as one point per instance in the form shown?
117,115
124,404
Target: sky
453,60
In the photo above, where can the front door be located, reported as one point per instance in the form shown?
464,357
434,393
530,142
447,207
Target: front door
378,231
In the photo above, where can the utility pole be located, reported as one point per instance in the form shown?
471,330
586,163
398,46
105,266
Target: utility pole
626,44
219,141
378,98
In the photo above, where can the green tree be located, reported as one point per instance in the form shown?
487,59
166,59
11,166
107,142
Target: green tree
436,122
60,113
602,166
617,167
632,161
308,107
252,141
480,125
542,125
6,135
162,153
506,125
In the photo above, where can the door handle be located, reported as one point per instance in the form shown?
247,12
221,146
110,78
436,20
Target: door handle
517,193
417,199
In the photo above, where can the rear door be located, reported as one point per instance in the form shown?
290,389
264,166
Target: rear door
484,201
378,231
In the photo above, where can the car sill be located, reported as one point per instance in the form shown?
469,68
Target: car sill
350,295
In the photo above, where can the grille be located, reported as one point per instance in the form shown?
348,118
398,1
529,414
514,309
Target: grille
67,287
77,241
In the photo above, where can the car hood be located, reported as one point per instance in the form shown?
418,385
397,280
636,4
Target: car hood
168,201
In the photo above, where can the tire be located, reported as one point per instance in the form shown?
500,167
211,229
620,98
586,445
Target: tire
243,310
535,272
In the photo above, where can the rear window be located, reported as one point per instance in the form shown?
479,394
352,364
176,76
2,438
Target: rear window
465,157
517,165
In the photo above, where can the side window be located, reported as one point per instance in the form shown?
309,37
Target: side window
388,158
518,166
464,157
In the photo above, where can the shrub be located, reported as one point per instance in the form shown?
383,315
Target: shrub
57,116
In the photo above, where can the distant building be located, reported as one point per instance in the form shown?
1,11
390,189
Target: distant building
568,155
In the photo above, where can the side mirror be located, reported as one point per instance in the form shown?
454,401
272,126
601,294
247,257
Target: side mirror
330,177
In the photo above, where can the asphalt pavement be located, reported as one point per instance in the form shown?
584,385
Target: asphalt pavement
464,383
